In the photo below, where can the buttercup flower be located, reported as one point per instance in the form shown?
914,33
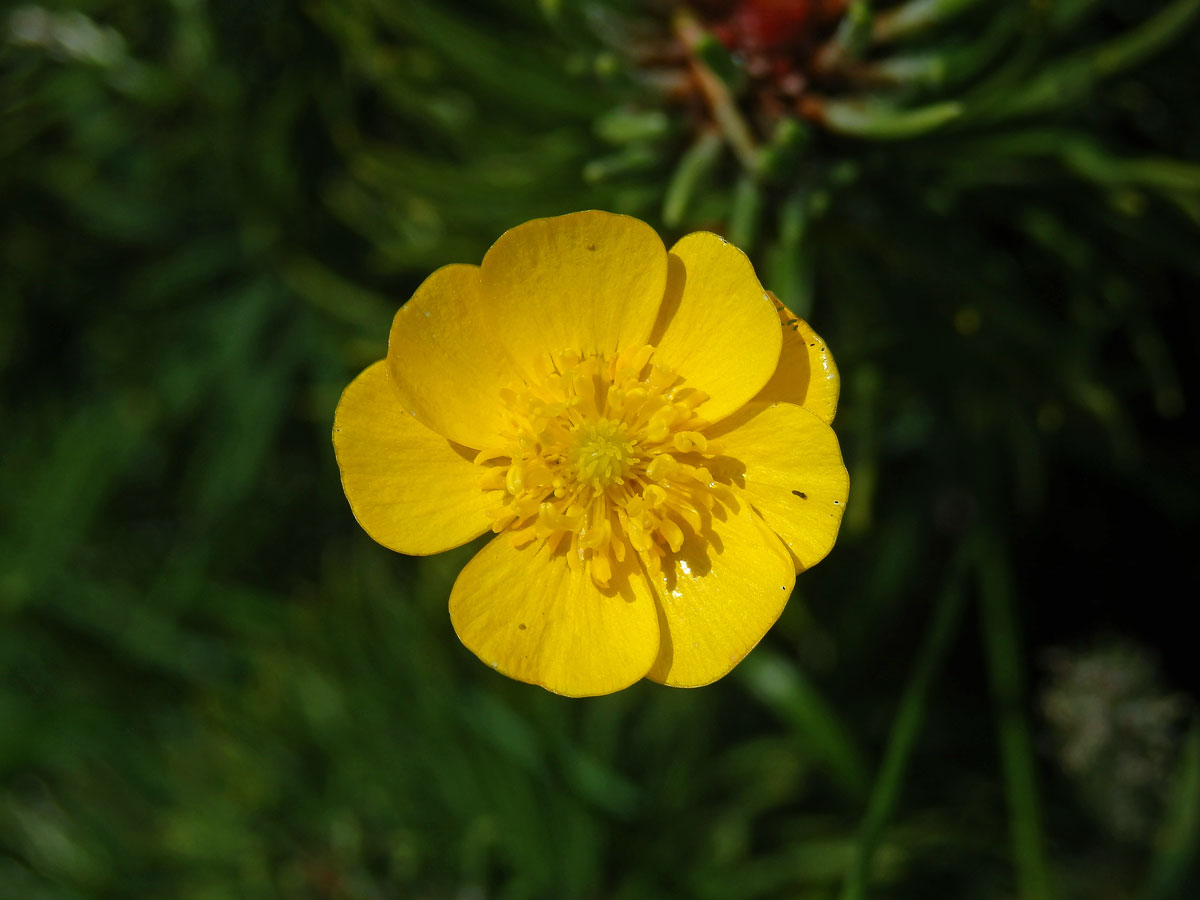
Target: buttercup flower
647,433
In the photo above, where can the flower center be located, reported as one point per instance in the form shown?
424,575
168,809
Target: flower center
603,455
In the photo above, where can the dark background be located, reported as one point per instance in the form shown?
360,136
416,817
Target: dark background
213,684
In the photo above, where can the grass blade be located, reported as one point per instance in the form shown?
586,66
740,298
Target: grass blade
906,728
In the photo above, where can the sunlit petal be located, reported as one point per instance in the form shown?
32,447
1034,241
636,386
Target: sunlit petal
718,328
588,282
789,465
725,590
447,368
533,616
410,489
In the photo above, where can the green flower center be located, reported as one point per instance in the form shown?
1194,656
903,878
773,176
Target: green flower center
603,453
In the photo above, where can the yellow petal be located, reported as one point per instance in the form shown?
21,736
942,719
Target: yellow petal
410,489
806,374
719,599
718,328
529,615
590,282
791,468
447,368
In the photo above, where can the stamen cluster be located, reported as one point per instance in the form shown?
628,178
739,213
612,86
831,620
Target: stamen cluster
603,456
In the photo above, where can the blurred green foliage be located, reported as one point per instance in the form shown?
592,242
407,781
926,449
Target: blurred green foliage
212,684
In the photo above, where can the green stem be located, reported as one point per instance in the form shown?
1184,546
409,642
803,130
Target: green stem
745,213
782,687
789,263
695,165
1146,39
1003,649
899,22
1178,845
906,728
879,120
1068,80
724,107
851,39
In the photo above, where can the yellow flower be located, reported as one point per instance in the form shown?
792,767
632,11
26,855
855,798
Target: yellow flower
646,432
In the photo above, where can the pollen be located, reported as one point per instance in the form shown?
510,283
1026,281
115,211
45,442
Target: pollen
605,460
